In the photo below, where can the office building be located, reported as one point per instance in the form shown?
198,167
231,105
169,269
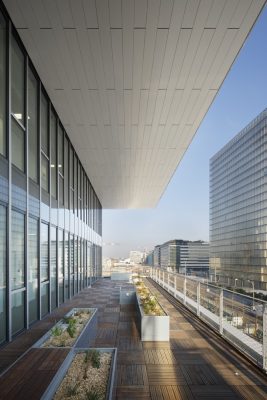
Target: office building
99,102
149,260
136,257
186,257
238,208
156,256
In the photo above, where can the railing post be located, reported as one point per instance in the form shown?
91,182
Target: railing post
221,312
184,290
264,338
198,299
168,281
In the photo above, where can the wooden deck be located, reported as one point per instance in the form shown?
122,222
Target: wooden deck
195,364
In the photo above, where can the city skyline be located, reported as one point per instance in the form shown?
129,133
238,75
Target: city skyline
183,210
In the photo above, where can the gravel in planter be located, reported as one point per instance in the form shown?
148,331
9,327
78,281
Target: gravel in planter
87,377
66,333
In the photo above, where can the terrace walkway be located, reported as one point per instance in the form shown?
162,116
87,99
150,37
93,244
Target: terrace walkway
195,364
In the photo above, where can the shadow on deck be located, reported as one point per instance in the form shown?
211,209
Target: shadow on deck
195,364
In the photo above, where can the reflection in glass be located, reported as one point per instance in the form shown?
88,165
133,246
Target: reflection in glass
60,264
2,273
44,125
45,173
33,269
44,252
17,81
33,126
2,88
18,309
53,266
18,251
44,298
66,173
66,266
53,126
60,151
17,145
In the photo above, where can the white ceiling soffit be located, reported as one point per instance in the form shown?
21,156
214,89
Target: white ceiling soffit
132,80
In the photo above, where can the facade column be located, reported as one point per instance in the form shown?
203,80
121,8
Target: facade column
198,299
264,339
184,290
221,312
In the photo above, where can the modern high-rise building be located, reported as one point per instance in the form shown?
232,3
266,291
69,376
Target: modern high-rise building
185,256
238,208
99,101
136,257
156,256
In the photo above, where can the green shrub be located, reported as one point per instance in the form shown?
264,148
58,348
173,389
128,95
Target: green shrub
71,330
56,331
92,356
93,394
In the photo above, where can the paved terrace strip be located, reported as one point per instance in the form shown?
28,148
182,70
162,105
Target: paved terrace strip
195,364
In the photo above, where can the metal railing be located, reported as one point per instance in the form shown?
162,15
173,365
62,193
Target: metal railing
236,317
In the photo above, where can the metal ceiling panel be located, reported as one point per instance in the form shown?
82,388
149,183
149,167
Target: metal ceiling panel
132,80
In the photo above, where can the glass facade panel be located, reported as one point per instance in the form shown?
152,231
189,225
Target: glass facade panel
61,190
44,125
53,266
2,88
18,250
33,126
44,298
53,131
66,173
33,243
60,265
3,259
18,311
61,151
44,252
17,81
238,208
18,137
45,173
66,266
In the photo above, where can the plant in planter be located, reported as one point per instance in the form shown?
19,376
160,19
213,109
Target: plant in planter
78,327
87,376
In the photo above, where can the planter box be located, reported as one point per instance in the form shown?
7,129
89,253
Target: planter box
153,327
127,297
121,276
85,338
55,383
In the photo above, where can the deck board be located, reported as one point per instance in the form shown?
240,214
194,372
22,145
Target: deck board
194,365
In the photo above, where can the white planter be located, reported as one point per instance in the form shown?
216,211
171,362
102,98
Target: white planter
55,383
85,338
127,297
153,328
121,276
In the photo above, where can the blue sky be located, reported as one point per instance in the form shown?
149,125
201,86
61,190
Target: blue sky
183,211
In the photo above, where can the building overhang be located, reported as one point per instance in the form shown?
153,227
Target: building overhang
132,80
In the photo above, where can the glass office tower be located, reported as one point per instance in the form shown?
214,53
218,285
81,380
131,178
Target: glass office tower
238,208
50,215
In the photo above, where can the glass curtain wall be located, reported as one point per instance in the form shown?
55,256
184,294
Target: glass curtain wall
49,204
